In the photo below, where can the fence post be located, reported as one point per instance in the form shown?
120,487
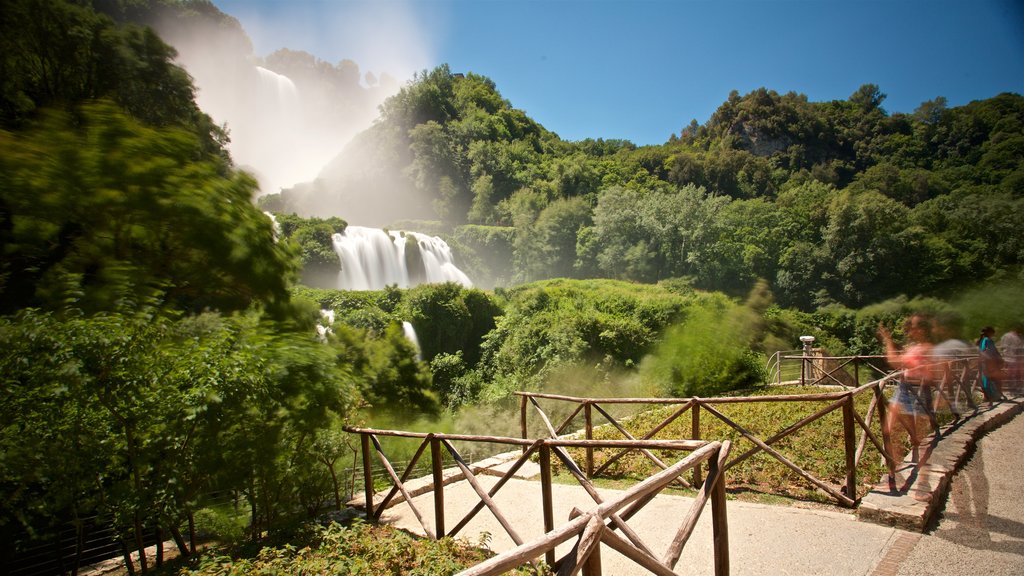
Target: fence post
883,417
545,490
367,474
592,567
719,519
588,416
695,434
850,444
522,419
435,464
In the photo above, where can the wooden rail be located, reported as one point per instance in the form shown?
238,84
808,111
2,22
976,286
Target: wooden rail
954,379
606,523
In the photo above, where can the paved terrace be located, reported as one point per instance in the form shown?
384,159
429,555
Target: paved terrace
959,513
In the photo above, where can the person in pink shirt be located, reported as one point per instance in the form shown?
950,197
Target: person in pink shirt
909,405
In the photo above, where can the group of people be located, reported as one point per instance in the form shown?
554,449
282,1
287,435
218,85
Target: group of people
925,361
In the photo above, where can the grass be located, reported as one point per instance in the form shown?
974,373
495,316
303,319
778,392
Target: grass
817,447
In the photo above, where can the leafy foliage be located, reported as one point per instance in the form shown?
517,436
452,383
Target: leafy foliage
557,323
841,192
59,53
95,208
135,416
713,351
357,549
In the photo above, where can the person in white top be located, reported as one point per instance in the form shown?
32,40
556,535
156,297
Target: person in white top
1011,346
955,357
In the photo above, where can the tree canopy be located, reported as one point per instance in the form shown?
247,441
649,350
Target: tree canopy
848,192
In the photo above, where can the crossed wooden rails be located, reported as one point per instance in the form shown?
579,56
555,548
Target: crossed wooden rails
953,379
592,528
599,525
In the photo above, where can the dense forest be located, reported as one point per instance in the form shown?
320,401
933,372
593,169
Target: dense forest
156,346
821,200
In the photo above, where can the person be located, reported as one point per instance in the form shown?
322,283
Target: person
953,370
990,363
908,405
1011,346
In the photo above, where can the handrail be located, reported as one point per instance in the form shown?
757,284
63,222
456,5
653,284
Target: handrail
597,526
773,366
955,381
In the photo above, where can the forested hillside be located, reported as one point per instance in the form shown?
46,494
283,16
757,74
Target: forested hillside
150,349
824,200
157,349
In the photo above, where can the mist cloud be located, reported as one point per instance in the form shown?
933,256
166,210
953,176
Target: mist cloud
289,114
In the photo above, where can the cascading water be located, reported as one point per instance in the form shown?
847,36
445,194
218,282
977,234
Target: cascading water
372,259
279,90
410,333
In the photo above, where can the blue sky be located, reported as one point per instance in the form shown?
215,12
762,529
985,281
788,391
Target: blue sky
641,70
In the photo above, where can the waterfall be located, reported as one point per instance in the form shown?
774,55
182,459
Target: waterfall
275,224
372,259
323,329
283,96
410,333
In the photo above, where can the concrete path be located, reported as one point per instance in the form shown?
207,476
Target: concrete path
980,531
762,539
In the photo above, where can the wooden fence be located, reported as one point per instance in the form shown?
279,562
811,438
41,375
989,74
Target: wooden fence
954,379
602,524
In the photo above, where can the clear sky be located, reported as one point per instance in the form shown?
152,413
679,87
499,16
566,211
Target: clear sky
641,70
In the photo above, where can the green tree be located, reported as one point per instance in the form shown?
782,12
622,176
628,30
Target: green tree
97,208
134,416
867,237
555,232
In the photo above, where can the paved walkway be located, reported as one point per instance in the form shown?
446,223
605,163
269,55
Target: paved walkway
980,530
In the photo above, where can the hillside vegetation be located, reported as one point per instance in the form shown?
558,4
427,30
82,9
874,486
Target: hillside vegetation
820,199
158,352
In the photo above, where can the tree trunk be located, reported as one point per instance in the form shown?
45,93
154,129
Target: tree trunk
337,487
140,543
179,541
128,564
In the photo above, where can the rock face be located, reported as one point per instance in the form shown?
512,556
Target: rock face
757,142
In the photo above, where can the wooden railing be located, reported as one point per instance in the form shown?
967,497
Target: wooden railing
956,380
602,524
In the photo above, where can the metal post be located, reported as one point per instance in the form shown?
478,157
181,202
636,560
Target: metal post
808,343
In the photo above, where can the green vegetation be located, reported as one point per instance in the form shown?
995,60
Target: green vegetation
822,200
817,447
357,549
155,347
